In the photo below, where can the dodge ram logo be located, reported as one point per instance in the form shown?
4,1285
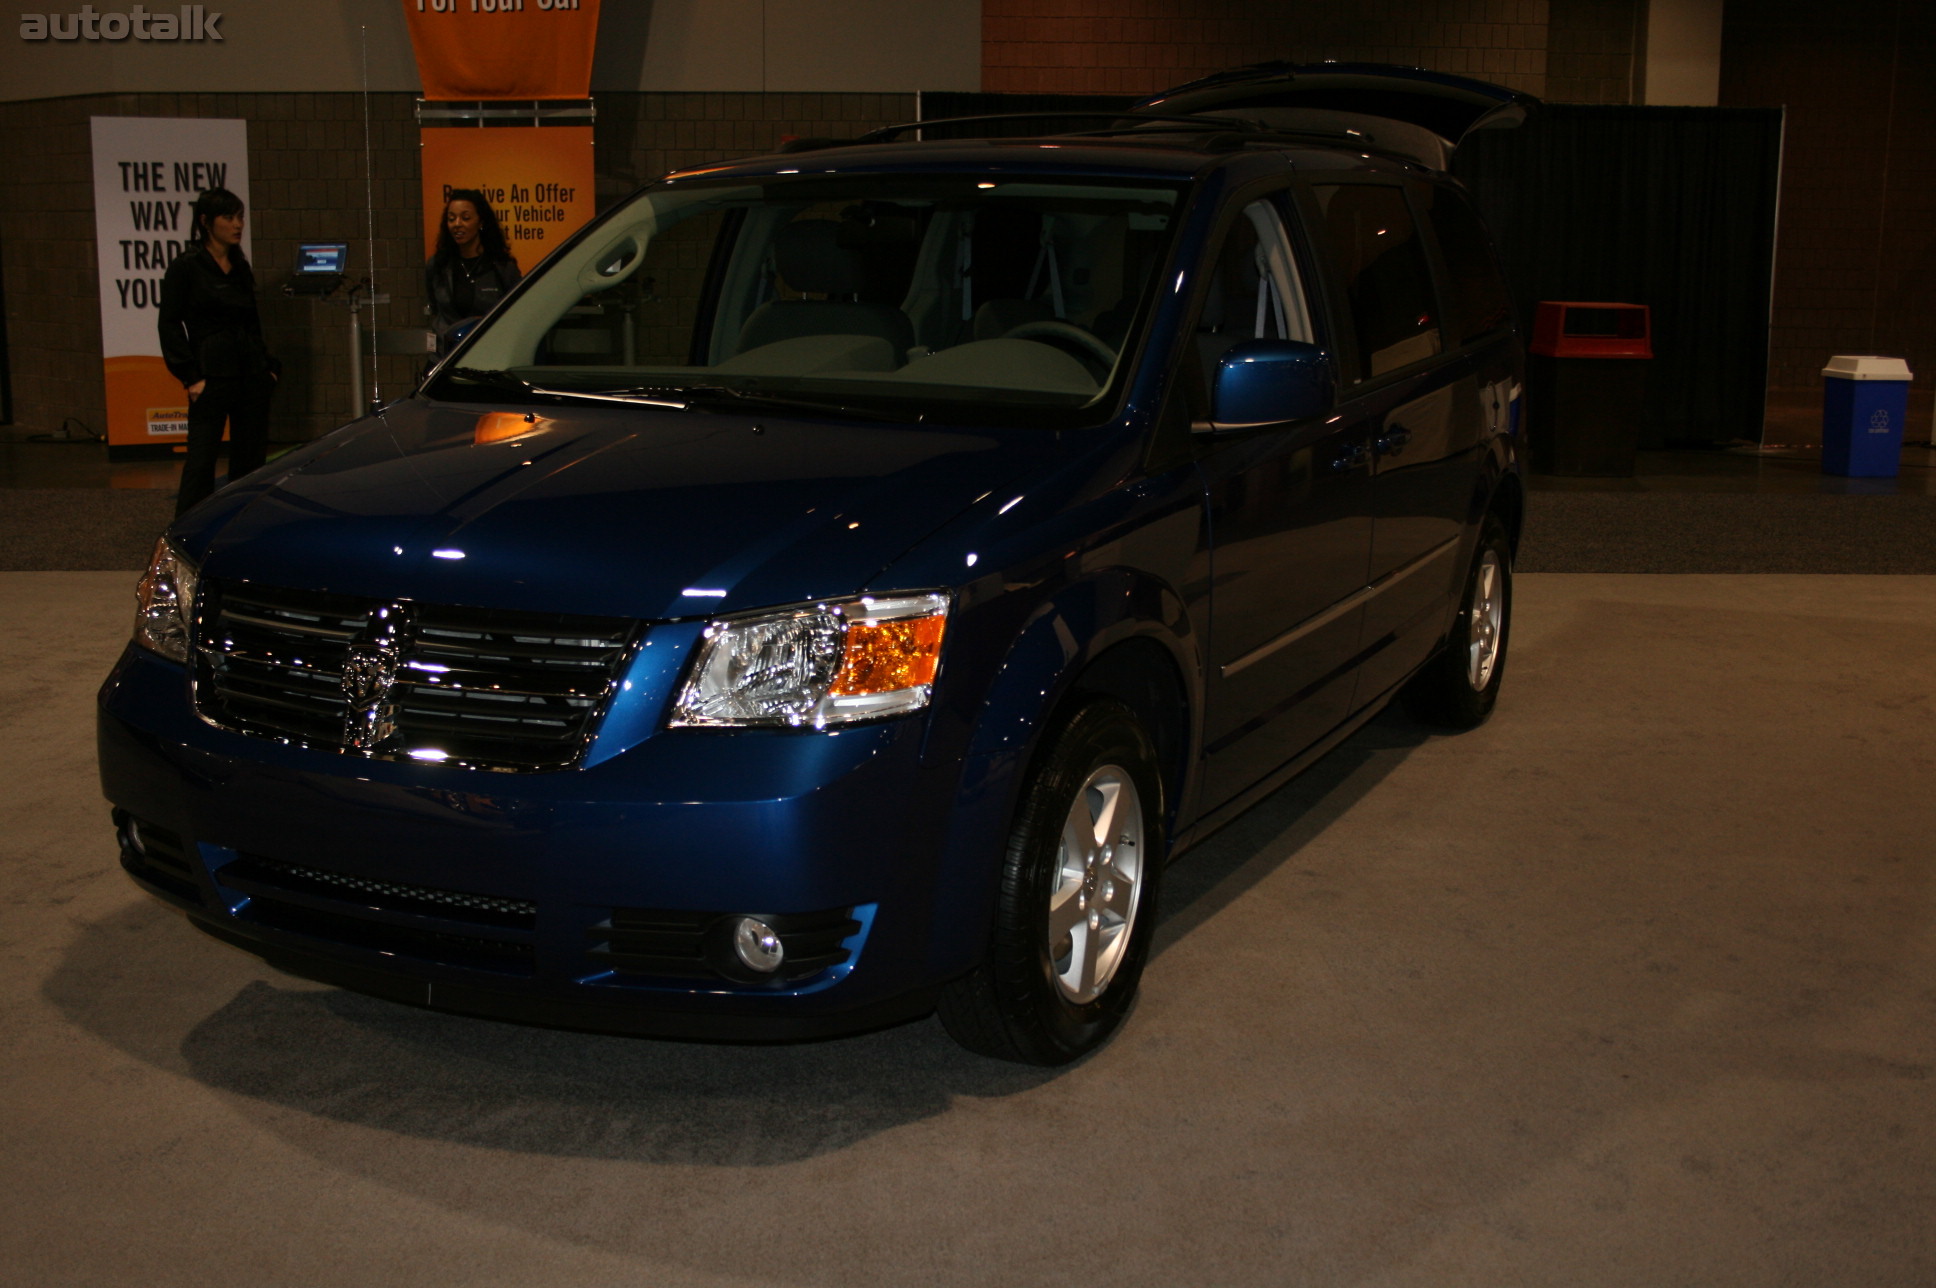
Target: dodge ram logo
369,678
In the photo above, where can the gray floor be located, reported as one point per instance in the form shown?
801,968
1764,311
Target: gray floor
1634,986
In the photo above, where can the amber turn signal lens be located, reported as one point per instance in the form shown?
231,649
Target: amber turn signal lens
502,426
884,656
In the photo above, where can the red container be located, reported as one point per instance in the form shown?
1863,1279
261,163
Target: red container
1577,329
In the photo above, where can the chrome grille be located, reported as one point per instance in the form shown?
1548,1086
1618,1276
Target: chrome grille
481,687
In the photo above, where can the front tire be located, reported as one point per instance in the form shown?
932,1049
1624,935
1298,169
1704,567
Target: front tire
1077,906
1457,689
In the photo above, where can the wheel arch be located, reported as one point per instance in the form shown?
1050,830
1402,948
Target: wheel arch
1122,634
1118,633
1508,501
1145,677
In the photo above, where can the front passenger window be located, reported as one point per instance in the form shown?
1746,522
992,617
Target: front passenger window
1255,292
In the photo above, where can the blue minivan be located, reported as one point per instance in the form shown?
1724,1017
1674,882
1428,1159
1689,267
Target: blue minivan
834,585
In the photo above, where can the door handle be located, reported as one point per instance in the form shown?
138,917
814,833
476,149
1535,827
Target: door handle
1349,458
1393,441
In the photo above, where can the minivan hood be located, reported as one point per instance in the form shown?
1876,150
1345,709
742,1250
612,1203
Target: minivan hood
622,511
1414,113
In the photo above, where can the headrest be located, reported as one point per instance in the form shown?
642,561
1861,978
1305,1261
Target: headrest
810,260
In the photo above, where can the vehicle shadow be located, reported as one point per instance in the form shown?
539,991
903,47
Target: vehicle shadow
1217,872
187,1004
148,984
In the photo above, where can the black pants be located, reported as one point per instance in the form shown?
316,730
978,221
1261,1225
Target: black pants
243,404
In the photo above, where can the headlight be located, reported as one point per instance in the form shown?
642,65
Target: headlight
164,603
820,665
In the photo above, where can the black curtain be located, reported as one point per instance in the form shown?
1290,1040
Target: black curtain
6,362
1671,207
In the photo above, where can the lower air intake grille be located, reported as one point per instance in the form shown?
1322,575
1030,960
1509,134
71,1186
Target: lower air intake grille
453,927
399,680
254,874
473,952
157,856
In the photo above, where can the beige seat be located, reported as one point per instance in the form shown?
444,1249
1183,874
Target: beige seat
810,260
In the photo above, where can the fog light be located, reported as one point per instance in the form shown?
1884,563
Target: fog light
757,945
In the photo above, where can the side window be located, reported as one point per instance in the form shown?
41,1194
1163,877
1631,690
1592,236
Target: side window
1478,302
1255,290
1380,265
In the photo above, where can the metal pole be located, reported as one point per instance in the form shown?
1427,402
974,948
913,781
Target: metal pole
369,211
356,357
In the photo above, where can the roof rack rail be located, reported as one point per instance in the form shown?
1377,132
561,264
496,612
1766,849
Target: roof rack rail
1223,132
1127,122
798,144
1279,135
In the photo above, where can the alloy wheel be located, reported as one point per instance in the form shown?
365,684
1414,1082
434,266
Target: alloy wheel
1099,866
1487,615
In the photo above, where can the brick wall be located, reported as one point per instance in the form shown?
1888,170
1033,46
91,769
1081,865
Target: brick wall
642,136
1855,268
1593,52
1141,46
307,184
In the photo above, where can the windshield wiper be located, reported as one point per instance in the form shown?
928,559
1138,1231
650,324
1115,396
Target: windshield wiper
495,379
505,380
717,396
675,397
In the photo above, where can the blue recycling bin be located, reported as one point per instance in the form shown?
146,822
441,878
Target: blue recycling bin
1865,400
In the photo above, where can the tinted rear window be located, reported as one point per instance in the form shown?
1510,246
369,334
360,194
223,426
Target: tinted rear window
1374,248
1478,302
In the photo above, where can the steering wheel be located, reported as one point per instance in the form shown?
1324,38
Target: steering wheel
1069,333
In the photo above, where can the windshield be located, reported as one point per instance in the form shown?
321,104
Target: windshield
976,298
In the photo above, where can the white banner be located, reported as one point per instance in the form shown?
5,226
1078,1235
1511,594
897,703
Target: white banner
147,172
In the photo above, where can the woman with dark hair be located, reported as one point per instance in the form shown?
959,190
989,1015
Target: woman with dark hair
472,268
211,339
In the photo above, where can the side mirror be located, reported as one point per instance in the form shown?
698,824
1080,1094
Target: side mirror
1268,382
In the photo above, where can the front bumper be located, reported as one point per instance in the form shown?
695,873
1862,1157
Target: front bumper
583,898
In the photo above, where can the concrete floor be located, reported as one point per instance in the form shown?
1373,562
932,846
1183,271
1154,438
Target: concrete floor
1634,986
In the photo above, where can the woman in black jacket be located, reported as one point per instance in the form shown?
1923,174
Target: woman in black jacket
472,268
211,339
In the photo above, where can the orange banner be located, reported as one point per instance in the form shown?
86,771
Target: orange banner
537,179
146,405
503,49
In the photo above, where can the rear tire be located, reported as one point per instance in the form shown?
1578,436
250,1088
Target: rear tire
1457,688
1077,905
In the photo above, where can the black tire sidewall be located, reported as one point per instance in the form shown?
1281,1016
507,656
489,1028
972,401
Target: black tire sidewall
1472,706
1104,732
1442,694
1491,538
